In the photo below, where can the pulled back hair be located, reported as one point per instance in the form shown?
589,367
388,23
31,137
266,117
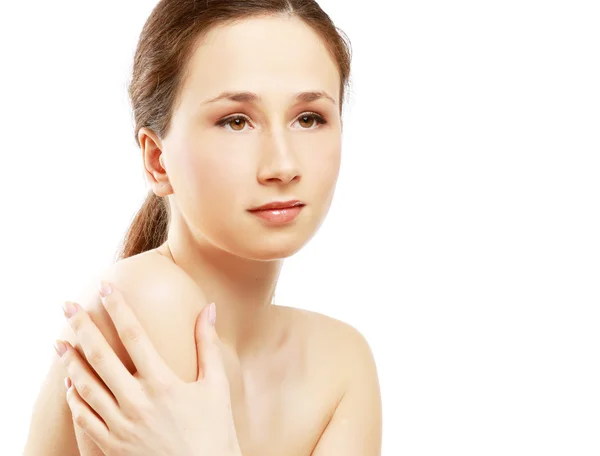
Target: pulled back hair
166,43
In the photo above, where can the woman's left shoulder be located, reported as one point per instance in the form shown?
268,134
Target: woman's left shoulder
331,341
345,367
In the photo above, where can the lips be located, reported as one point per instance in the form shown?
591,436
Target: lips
278,217
278,205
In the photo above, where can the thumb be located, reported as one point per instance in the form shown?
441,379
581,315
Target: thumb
207,347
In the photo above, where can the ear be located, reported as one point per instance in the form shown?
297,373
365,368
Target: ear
154,162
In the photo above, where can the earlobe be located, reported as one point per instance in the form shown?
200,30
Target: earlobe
161,188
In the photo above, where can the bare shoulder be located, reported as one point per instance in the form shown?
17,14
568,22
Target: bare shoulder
346,366
324,327
165,301
337,346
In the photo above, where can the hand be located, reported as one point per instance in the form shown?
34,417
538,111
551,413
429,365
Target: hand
153,412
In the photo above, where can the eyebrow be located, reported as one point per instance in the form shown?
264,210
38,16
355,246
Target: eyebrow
251,97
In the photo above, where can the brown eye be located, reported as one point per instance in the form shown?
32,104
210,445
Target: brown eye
310,120
237,123
307,120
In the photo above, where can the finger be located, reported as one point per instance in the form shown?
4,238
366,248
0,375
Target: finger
210,363
100,355
85,418
90,388
200,342
146,359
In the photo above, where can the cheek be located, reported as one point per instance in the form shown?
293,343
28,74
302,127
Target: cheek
325,164
213,177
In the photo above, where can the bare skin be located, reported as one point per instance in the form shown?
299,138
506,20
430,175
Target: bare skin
284,396
301,383
213,175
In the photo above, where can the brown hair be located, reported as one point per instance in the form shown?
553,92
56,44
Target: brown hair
168,38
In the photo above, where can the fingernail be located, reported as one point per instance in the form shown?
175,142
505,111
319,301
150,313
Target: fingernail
69,309
68,382
212,314
104,288
60,347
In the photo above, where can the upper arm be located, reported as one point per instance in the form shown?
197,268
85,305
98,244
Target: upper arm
51,427
355,427
166,306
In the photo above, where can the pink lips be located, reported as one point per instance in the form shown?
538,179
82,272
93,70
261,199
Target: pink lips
278,213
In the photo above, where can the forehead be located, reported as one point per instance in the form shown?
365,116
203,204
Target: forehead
269,56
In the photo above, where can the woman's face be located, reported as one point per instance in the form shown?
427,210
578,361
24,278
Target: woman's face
219,167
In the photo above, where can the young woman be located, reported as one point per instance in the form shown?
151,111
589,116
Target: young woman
238,109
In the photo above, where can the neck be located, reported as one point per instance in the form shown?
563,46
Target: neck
241,289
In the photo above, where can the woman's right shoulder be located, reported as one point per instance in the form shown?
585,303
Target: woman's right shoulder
165,300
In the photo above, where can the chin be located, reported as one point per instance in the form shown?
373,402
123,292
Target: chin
270,248
267,246
266,243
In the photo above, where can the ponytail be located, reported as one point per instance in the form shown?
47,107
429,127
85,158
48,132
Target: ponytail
148,229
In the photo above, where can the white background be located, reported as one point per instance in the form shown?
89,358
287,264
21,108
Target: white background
463,240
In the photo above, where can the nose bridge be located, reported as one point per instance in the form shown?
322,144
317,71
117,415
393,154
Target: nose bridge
278,157
278,142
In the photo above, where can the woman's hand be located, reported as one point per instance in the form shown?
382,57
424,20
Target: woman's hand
152,412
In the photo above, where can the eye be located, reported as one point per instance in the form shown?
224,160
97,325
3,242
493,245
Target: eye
233,120
310,118
316,119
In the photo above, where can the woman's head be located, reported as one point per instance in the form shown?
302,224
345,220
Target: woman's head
208,162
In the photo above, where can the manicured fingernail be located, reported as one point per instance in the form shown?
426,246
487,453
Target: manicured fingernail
212,314
60,347
68,382
104,288
69,309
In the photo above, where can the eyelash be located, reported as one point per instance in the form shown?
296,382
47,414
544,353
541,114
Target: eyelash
319,119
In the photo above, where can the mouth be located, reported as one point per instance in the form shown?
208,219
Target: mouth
278,205
278,213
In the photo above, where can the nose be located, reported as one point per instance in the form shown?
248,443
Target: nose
279,163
